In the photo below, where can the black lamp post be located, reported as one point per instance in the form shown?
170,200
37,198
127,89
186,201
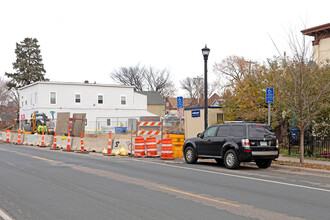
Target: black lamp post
205,52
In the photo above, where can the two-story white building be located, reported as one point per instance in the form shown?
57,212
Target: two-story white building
105,105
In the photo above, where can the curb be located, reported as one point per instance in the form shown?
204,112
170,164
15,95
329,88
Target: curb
307,170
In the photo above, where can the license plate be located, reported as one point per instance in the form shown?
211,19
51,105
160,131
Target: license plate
263,143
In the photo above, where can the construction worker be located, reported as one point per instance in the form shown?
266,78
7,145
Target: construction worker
42,128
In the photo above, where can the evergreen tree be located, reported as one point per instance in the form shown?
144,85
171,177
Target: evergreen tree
28,64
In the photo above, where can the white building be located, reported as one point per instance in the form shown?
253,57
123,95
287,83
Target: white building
105,105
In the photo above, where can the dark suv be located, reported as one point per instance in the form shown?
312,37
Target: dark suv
232,143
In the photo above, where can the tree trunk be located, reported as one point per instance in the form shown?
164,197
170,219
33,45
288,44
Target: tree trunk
302,148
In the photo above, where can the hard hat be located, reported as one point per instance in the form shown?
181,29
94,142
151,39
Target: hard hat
42,122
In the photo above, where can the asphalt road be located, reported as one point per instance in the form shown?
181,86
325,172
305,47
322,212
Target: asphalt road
38,183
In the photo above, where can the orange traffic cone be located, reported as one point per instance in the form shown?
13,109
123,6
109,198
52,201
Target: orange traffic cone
68,146
43,139
109,146
19,137
7,133
82,146
55,142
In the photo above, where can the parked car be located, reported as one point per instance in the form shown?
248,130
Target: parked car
233,143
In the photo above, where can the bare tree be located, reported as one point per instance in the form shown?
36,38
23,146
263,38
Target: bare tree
130,76
195,88
145,79
160,81
234,69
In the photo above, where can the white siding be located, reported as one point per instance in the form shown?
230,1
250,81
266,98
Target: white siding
136,104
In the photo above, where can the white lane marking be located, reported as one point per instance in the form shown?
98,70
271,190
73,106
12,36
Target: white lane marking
4,215
237,176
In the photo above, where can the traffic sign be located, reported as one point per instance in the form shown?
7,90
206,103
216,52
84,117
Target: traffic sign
179,102
270,95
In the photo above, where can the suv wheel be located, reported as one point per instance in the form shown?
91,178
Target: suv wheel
263,163
231,160
190,155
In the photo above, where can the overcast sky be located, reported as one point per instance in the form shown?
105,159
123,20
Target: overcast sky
85,40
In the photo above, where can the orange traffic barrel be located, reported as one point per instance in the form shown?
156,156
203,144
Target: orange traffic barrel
167,153
139,147
151,147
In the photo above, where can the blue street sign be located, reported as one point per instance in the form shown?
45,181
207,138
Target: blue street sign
179,102
196,113
270,95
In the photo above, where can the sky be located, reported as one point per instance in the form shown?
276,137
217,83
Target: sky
87,39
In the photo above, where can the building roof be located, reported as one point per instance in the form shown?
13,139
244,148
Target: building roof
188,102
173,102
86,83
153,98
319,32
315,30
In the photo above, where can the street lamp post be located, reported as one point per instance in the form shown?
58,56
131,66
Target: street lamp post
205,52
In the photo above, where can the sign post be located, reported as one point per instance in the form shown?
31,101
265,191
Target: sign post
269,100
179,107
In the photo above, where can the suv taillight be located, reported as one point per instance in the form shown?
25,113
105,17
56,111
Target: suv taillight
277,143
246,144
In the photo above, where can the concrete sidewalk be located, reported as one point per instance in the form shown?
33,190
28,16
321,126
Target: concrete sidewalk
297,160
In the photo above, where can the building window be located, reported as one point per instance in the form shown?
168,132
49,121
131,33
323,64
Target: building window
220,117
25,102
30,99
100,99
123,100
167,104
108,122
77,98
52,97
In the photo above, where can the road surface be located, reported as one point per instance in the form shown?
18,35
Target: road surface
36,183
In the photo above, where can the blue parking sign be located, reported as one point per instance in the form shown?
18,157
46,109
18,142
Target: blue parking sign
270,95
179,101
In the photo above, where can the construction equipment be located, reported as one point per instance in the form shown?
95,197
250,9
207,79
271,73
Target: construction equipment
35,121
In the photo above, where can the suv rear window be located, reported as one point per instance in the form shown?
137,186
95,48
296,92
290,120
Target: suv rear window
260,131
237,131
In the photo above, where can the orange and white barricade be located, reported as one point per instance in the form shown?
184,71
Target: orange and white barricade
19,136
151,144
167,152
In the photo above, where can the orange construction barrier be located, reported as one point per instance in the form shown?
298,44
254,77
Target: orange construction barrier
55,142
7,132
151,147
19,137
43,139
139,147
167,153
